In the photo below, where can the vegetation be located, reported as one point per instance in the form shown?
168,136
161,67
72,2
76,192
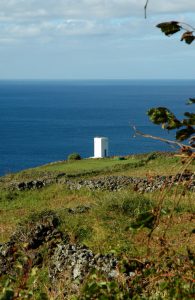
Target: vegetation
150,234
184,128
74,156
159,256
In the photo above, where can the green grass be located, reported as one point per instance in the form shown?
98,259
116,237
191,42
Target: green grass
86,165
134,165
105,227
80,167
110,225
155,162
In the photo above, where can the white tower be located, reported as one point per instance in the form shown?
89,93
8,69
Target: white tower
100,147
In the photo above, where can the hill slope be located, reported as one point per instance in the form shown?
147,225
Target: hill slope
130,219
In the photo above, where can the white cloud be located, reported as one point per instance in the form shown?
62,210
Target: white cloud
172,6
20,19
91,8
92,39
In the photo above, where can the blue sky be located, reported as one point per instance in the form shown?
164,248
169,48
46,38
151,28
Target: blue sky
93,39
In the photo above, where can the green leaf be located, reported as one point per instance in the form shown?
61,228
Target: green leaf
162,115
145,219
169,28
191,119
8,295
184,134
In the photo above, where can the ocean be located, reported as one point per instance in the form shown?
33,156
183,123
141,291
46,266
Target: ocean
45,121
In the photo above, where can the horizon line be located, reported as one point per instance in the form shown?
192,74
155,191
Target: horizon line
92,79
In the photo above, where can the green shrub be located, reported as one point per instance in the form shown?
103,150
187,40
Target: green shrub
133,206
101,288
146,219
74,156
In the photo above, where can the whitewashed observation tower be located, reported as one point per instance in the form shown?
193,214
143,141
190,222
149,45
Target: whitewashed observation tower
100,147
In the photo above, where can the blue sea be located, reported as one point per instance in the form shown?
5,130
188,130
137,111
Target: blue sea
45,121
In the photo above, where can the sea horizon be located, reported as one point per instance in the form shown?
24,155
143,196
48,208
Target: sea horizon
46,120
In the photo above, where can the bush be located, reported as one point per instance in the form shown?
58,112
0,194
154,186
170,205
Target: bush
101,288
134,206
74,156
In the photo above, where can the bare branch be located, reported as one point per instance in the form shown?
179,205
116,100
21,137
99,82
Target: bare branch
187,27
170,142
145,8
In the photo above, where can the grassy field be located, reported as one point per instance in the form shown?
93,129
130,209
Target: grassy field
15,205
108,224
133,165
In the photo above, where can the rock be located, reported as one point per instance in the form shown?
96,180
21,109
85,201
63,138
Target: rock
29,237
38,231
39,242
80,261
112,183
116,183
7,251
33,184
21,186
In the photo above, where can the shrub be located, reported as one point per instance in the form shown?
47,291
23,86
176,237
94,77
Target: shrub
102,288
134,206
74,156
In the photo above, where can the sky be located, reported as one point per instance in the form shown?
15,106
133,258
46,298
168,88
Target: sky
93,39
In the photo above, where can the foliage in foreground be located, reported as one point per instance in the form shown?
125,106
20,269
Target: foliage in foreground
184,128
118,222
169,275
147,280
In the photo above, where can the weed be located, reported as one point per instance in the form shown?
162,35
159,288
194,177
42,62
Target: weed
83,232
134,206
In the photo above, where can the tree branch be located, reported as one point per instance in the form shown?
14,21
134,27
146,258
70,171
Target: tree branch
170,142
145,8
189,27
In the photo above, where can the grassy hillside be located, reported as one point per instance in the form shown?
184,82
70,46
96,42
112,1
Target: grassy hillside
133,225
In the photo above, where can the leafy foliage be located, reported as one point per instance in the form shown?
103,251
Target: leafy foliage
162,115
101,288
170,28
184,128
158,279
